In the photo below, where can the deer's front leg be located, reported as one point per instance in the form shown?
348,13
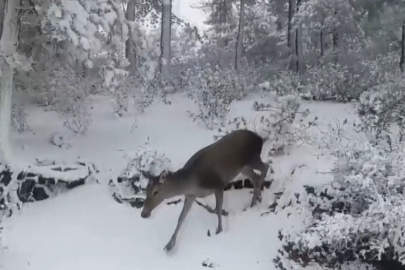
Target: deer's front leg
188,202
219,198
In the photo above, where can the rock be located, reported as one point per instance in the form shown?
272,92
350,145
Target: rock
37,187
5,177
246,183
73,184
137,203
46,180
25,190
39,194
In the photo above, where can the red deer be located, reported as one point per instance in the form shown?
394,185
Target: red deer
208,172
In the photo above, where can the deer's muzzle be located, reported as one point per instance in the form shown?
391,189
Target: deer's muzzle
145,214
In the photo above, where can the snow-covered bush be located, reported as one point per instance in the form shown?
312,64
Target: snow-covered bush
347,82
359,216
185,47
274,122
283,83
375,72
79,118
382,111
231,125
133,90
363,174
79,23
214,90
19,118
130,185
112,74
129,88
144,95
332,82
93,35
278,126
146,159
68,94
120,102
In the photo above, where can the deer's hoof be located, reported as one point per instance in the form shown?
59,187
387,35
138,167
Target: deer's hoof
170,245
219,230
253,203
255,200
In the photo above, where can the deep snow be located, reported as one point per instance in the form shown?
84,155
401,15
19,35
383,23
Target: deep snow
87,229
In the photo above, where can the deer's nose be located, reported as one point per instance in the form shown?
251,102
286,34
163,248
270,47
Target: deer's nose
145,215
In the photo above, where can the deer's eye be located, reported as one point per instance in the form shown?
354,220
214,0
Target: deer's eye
155,193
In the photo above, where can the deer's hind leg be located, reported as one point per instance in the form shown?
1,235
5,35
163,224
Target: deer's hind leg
255,178
263,168
219,198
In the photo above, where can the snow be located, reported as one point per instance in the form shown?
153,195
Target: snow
86,229
186,10
123,240
108,135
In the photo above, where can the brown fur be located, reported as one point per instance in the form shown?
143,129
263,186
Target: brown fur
208,172
223,160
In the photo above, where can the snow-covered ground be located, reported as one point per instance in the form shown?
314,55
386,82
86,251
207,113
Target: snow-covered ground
86,229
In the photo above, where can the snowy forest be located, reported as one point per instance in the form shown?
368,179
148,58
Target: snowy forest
98,94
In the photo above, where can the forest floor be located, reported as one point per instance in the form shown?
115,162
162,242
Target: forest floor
86,229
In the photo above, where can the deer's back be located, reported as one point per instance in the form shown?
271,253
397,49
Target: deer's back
217,164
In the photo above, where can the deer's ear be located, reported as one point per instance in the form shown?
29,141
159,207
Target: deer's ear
163,176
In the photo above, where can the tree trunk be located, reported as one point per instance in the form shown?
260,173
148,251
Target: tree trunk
322,48
165,46
402,61
290,15
85,67
130,53
224,9
297,55
8,46
1,16
239,42
335,42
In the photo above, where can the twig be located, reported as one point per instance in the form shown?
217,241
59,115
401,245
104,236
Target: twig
272,208
174,202
210,210
318,172
299,167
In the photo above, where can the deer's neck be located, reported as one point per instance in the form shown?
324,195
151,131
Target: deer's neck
180,183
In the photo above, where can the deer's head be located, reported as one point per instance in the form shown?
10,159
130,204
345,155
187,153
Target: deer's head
157,190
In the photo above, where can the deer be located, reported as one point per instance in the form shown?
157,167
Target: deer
208,172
